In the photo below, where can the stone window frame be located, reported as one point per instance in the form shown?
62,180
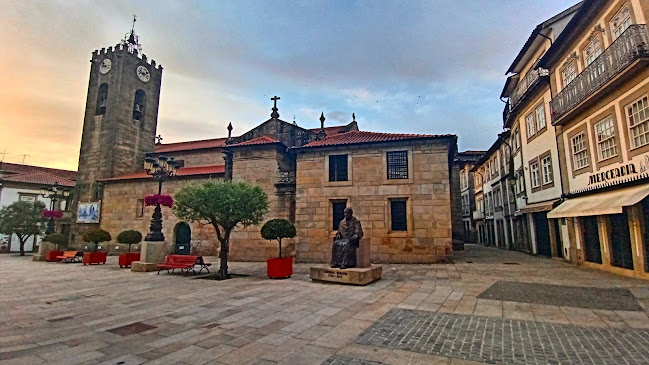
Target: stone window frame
520,182
629,18
409,217
330,211
535,123
570,63
644,102
537,119
384,164
547,176
538,162
139,209
531,163
350,170
626,133
582,128
608,113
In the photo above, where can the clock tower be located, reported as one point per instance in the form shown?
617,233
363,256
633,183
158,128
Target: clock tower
121,117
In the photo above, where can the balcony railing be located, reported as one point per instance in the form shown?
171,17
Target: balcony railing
629,46
528,81
286,177
506,112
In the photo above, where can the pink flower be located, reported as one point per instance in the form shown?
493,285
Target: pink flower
56,214
164,200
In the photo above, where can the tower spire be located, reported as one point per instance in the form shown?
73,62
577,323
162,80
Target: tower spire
275,114
131,40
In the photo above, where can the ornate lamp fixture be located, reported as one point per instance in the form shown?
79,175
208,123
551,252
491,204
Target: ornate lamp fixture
161,169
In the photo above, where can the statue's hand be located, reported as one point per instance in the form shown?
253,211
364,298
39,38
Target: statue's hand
338,236
355,237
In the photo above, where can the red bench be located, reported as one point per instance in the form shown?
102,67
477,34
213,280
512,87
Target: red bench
70,256
184,263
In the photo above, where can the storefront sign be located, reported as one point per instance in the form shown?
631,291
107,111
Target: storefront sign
614,173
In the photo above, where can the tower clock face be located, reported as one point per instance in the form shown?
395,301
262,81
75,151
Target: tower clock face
143,73
104,67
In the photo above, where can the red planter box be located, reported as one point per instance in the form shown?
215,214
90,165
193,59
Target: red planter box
51,255
280,268
90,258
125,259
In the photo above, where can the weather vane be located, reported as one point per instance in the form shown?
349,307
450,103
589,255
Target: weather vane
131,40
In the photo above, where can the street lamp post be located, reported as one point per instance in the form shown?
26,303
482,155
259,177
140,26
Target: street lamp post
53,192
161,169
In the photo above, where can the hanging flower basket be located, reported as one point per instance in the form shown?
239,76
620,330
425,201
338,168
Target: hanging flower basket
164,200
56,214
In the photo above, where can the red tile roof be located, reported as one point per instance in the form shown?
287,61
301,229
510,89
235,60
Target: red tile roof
356,137
183,171
190,145
15,168
256,141
39,177
330,131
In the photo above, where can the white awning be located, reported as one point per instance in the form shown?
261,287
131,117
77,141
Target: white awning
610,202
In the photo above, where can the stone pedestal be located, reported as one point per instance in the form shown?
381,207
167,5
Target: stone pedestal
42,250
151,254
354,276
363,254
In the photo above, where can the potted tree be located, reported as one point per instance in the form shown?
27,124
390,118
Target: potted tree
95,236
277,229
58,240
129,238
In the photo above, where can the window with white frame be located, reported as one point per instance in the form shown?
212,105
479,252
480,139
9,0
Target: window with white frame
540,117
605,134
462,176
592,50
546,167
515,143
579,152
621,21
638,114
569,72
520,182
529,122
534,174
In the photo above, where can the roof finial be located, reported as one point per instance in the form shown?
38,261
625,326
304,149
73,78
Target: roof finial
230,130
353,117
275,114
158,139
322,119
131,40
294,122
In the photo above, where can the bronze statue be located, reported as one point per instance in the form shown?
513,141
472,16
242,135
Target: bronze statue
343,251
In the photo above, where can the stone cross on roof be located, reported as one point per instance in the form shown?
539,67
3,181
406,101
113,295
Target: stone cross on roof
275,114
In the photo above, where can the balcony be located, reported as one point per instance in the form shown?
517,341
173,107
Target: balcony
477,215
624,51
527,84
507,113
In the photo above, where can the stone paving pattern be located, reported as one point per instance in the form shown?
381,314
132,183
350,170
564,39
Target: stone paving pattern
53,313
493,340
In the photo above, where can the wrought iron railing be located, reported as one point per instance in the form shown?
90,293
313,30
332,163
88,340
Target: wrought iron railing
629,46
285,177
528,81
506,112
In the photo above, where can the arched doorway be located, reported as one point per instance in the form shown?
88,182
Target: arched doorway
183,239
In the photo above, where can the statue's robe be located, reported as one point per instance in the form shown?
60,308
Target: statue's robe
343,251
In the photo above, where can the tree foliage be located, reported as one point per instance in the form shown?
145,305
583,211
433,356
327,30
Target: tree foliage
278,229
24,219
57,239
224,205
96,236
129,238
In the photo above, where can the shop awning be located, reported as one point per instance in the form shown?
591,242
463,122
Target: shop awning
538,207
610,202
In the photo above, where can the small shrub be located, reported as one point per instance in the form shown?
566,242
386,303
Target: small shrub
277,229
57,239
129,238
96,236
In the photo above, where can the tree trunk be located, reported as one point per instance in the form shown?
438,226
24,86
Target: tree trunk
22,245
280,248
225,248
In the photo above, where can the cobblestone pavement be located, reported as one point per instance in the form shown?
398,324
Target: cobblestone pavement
73,314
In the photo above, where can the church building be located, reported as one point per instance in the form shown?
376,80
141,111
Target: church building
399,185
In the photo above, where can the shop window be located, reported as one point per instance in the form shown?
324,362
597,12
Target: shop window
638,115
397,164
338,168
579,152
338,212
605,133
592,248
398,215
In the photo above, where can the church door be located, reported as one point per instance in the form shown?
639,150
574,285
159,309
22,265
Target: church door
183,239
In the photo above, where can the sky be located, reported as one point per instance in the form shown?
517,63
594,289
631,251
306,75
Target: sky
411,66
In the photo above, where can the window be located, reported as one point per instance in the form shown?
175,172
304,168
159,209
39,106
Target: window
102,96
605,134
520,182
398,215
338,212
534,174
592,51
620,22
139,208
546,166
638,114
397,165
540,117
338,168
138,104
579,153
569,73
529,122
462,177
515,141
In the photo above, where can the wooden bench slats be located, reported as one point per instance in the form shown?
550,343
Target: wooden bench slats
183,262
70,256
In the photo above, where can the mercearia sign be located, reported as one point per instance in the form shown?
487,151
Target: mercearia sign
612,174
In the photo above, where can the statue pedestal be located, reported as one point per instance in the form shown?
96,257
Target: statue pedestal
43,248
354,276
151,254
